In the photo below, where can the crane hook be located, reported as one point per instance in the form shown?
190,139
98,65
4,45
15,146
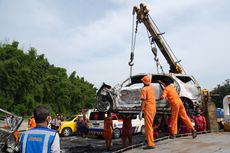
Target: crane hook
131,59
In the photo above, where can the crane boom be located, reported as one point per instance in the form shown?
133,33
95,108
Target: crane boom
142,14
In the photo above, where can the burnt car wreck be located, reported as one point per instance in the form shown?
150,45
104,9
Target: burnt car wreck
125,97
9,123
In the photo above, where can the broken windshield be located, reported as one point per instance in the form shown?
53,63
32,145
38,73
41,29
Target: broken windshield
186,79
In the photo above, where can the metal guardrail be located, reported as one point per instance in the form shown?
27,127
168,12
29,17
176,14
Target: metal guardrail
162,139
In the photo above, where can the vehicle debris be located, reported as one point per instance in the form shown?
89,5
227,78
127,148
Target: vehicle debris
9,124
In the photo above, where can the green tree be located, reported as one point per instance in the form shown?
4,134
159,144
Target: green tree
28,79
219,92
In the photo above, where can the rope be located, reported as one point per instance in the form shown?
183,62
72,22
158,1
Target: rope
133,42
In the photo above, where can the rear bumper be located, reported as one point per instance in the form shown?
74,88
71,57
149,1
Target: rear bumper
95,131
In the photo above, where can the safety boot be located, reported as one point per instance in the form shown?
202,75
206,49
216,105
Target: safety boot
194,134
149,147
172,136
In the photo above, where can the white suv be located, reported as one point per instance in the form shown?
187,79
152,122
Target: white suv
96,124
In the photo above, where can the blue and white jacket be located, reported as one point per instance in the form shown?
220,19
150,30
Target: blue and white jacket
37,140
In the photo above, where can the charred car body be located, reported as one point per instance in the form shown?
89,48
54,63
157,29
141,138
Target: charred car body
9,123
125,97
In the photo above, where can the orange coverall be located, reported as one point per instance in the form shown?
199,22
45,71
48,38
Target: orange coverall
108,131
177,108
32,123
148,97
126,130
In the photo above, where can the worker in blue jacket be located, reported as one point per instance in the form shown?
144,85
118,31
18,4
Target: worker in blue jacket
40,139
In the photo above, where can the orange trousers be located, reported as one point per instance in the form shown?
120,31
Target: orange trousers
108,134
178,109
125,137
149,117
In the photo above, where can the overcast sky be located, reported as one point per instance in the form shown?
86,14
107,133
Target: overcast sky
93,37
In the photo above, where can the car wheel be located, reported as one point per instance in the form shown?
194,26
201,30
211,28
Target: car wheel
143,129
116,134
104,106
66,132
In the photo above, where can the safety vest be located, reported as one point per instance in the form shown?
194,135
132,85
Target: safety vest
37,140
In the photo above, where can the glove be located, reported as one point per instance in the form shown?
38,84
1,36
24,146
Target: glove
140,115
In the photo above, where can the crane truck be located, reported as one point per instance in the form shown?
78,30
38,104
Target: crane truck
142,16
125,96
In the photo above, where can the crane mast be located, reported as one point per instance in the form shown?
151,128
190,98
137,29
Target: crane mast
142,15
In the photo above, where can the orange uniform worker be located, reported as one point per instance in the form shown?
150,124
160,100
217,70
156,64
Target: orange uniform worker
108,131
126,130
32,122
148,105
177,108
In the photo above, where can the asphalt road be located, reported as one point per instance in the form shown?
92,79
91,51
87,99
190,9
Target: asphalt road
77,144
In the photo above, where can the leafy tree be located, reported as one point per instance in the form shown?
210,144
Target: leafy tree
219,92
28,79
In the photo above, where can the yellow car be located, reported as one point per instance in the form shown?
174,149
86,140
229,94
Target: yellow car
68,127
